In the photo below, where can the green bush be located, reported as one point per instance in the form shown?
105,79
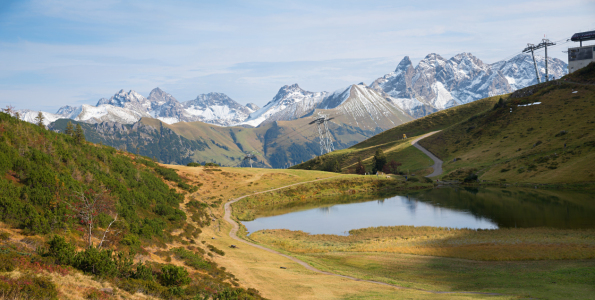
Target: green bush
191,259
7,263
27,287
143,272
174,276
193,164
131,240
216,250
61,250
146,287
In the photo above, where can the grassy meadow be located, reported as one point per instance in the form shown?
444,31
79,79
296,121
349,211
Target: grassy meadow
531,262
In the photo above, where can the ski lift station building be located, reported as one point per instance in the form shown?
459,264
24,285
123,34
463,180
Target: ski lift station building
580,57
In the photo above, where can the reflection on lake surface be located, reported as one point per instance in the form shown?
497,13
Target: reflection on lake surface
485,208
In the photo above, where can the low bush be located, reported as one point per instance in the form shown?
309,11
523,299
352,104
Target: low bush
28,287
7,262
173,276
471,178
216,250
147,287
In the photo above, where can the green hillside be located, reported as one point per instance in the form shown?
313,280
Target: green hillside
550,142
275,144
68,205
394,146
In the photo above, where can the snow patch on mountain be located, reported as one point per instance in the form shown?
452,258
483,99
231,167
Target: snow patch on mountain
290,97
216,108
30,115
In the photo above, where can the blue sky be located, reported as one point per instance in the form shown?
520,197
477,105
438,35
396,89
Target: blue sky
55,53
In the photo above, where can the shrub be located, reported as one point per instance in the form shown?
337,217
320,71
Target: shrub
27,287
131,240
147,287
143,272
216,250
7,263
4,236
61,250
193,164
174,276
470,178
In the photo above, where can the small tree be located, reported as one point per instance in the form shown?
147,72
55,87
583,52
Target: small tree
360,168
69,129
378,161
86,207
39,120
394,166
79,134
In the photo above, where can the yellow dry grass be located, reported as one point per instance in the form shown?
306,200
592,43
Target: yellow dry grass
501,244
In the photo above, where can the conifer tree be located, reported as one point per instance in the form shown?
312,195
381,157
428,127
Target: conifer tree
379,161
69,129
39,120
79,134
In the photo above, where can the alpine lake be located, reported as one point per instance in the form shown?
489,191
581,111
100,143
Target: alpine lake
452,207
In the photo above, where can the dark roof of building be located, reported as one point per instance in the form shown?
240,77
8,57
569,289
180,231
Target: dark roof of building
583,36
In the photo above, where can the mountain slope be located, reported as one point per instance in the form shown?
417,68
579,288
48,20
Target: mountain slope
540,134
394,146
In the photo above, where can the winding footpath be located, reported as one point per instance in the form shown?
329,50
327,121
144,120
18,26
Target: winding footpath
437,162
235,227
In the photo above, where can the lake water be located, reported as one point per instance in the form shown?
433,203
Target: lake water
485,208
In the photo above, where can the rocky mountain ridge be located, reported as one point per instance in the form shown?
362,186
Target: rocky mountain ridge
434,84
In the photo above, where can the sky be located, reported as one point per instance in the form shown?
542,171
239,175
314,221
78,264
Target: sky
73,52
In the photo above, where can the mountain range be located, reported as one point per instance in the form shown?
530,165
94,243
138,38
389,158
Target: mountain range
280,131
434,84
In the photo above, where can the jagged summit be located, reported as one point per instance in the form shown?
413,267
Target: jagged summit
216,108
436,83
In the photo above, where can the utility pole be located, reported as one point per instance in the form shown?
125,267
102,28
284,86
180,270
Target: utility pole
545,43
531,47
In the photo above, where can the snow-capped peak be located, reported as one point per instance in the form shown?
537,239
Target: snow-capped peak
290,97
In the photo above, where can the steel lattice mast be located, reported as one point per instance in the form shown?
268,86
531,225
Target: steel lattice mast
250,157
326,141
